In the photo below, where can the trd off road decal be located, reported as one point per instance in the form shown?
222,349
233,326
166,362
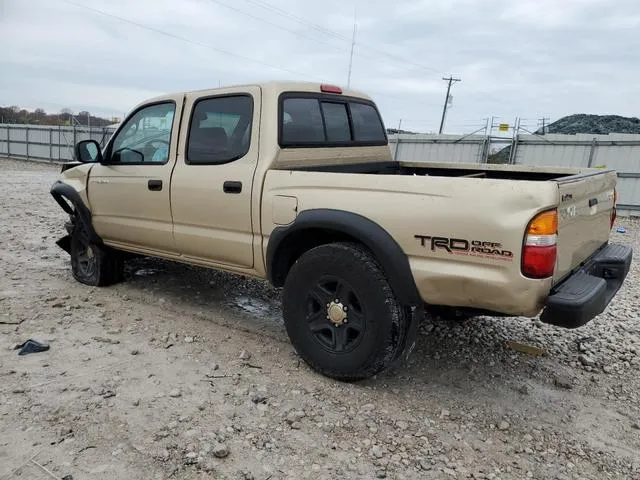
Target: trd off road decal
461,246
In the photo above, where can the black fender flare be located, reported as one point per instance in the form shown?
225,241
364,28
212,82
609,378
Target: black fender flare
386,250
61,191
392,259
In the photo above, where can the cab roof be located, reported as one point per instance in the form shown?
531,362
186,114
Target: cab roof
271,88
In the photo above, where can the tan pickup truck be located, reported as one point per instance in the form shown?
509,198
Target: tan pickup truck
295,183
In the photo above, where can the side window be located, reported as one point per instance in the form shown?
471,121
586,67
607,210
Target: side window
220,130
302,121
336,122
145,137
367,126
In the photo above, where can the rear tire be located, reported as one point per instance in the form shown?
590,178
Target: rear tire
93,264
341,313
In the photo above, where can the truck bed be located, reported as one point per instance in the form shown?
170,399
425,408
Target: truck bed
584,199
469,170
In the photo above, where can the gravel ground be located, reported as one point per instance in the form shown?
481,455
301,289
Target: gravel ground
186,373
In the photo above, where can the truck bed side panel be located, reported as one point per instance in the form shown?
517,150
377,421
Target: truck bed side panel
463,236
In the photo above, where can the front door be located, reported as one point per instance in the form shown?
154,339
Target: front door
213,179
129,193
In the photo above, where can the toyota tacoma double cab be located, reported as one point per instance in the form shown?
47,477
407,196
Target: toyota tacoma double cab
295,183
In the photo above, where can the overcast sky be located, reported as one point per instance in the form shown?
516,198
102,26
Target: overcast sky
527,58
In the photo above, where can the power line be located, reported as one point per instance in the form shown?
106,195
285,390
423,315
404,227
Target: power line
333,33
302,35
208,46
279,11
263,20
187,40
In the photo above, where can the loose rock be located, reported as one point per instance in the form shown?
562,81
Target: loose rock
112,341
587,361
220,450
563,381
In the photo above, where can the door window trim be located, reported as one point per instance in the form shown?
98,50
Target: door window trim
320,97
107,151
213,97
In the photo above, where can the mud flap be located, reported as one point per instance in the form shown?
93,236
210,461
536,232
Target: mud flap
65,243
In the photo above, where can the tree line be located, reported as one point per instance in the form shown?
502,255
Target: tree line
14,114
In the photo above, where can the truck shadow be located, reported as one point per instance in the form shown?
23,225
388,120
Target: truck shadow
205,289
451,353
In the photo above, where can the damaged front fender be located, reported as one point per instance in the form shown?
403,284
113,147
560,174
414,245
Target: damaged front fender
71,202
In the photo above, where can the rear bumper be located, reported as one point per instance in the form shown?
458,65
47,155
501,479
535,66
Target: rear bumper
588,290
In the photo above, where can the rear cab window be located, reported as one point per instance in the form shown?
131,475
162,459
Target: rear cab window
320,120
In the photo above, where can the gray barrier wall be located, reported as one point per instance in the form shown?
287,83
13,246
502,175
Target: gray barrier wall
42,142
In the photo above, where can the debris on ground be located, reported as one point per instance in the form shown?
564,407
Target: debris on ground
8,320
112,341
32,346
528,349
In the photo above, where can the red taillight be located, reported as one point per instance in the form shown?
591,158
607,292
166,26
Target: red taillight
330,88
540,249
539,262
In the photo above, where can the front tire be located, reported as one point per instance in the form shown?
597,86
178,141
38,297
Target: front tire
93,264
341,313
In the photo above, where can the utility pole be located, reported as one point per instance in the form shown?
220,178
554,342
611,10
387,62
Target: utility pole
395,154
353,45
450,81
544,121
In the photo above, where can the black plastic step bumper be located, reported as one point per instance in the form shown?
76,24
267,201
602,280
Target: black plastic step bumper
589,289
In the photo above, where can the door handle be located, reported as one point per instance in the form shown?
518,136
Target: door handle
232,187
155,185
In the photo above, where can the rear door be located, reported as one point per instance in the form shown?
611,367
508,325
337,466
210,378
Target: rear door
584,217
129,192
213,179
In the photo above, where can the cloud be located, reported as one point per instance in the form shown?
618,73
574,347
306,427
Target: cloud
528,57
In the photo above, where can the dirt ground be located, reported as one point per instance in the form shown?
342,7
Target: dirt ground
186,373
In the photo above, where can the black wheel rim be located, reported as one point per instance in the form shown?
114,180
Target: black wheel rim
86,258
332,294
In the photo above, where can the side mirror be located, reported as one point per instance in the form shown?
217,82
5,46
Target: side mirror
88,151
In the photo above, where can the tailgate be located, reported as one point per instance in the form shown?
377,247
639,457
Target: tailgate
586,202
